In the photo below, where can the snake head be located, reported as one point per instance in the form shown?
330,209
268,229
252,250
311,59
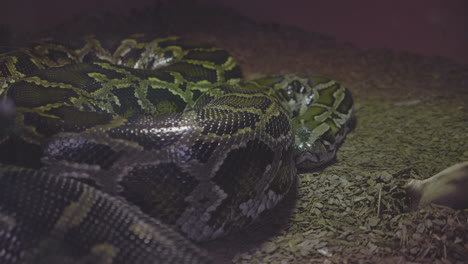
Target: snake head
313,147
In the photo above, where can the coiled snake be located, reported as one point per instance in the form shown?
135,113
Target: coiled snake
92,128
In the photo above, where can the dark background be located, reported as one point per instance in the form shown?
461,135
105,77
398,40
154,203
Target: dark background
434,27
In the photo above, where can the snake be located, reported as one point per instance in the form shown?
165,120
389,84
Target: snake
132,149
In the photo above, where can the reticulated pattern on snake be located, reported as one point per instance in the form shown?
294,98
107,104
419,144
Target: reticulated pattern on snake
106,147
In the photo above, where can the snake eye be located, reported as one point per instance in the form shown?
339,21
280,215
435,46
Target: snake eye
295,87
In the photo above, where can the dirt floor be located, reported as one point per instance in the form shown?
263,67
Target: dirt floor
412,122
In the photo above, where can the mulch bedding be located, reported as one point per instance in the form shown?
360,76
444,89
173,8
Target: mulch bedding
412,122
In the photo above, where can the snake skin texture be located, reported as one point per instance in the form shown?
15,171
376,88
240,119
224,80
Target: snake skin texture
125,150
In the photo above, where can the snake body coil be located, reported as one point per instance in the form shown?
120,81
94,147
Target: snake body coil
105,145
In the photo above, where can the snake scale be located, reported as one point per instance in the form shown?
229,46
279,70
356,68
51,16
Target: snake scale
107,146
